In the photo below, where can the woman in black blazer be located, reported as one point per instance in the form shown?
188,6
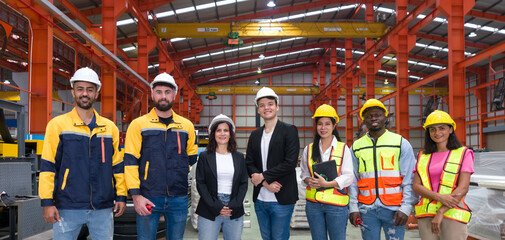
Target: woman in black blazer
221,180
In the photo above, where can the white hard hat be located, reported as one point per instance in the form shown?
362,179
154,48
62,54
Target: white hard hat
166,78
219,119
86,74
265,92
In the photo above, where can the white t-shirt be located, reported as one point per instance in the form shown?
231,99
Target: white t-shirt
225,170
265,195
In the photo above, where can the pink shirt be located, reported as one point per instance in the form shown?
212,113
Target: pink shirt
437,165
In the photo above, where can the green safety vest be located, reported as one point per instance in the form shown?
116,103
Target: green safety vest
427,207
332,195
379,169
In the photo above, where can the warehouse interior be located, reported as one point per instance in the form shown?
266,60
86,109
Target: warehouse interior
415,56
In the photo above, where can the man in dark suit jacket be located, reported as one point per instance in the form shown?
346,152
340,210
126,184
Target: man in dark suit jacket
272,156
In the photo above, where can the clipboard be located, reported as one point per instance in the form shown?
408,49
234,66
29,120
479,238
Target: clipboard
327,168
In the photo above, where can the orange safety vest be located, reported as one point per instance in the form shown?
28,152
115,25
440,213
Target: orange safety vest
332,195
379,169
452,167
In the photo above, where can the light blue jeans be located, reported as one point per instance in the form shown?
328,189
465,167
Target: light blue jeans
273,219
100,224
175,211
325,219
232,228
377,218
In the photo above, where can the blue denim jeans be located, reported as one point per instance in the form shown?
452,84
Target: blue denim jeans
273,219
175,211
232,228
100,223
377,218
325,219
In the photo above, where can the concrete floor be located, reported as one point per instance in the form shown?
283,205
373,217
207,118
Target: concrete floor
253,233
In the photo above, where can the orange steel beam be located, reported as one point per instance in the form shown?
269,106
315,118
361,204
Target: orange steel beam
402,43
75,13
348,94
305,6
404,23
482,55
145,6
455,12
254,56
91,11
128,40
263,75
199,81
41,69
196,51
486,15
445,40
428,79
425,21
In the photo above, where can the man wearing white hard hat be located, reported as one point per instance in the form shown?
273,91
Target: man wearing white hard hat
272,156
159,149
81,154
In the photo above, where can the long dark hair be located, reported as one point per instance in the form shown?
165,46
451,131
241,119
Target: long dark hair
232,144
316,155
430,146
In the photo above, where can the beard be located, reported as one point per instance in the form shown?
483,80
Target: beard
85,105
164,107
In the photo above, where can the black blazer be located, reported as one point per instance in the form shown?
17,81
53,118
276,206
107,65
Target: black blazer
281,163
209,205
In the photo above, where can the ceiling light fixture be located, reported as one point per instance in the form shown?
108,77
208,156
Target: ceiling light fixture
261,56
271,4
7,81
386,82
472,35
259,70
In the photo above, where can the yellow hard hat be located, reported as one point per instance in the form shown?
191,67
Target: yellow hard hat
438,117
372,103
326,110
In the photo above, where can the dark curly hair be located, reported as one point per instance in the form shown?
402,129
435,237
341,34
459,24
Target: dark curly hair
316,155
430,146
232,144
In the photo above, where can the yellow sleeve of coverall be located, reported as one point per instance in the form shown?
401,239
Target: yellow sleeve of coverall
133,144
47,165
117,161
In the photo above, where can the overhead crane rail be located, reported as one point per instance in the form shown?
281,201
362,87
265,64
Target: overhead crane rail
267,30
297,90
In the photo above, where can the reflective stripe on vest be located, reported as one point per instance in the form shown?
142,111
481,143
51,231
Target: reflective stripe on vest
329,196
379,169
427,207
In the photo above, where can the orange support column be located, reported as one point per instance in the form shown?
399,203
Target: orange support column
334,92
402,43
349,121
481,97
314,77
146,44
369,65
333,62
41,77
111,11
322,74
455,12
187,94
